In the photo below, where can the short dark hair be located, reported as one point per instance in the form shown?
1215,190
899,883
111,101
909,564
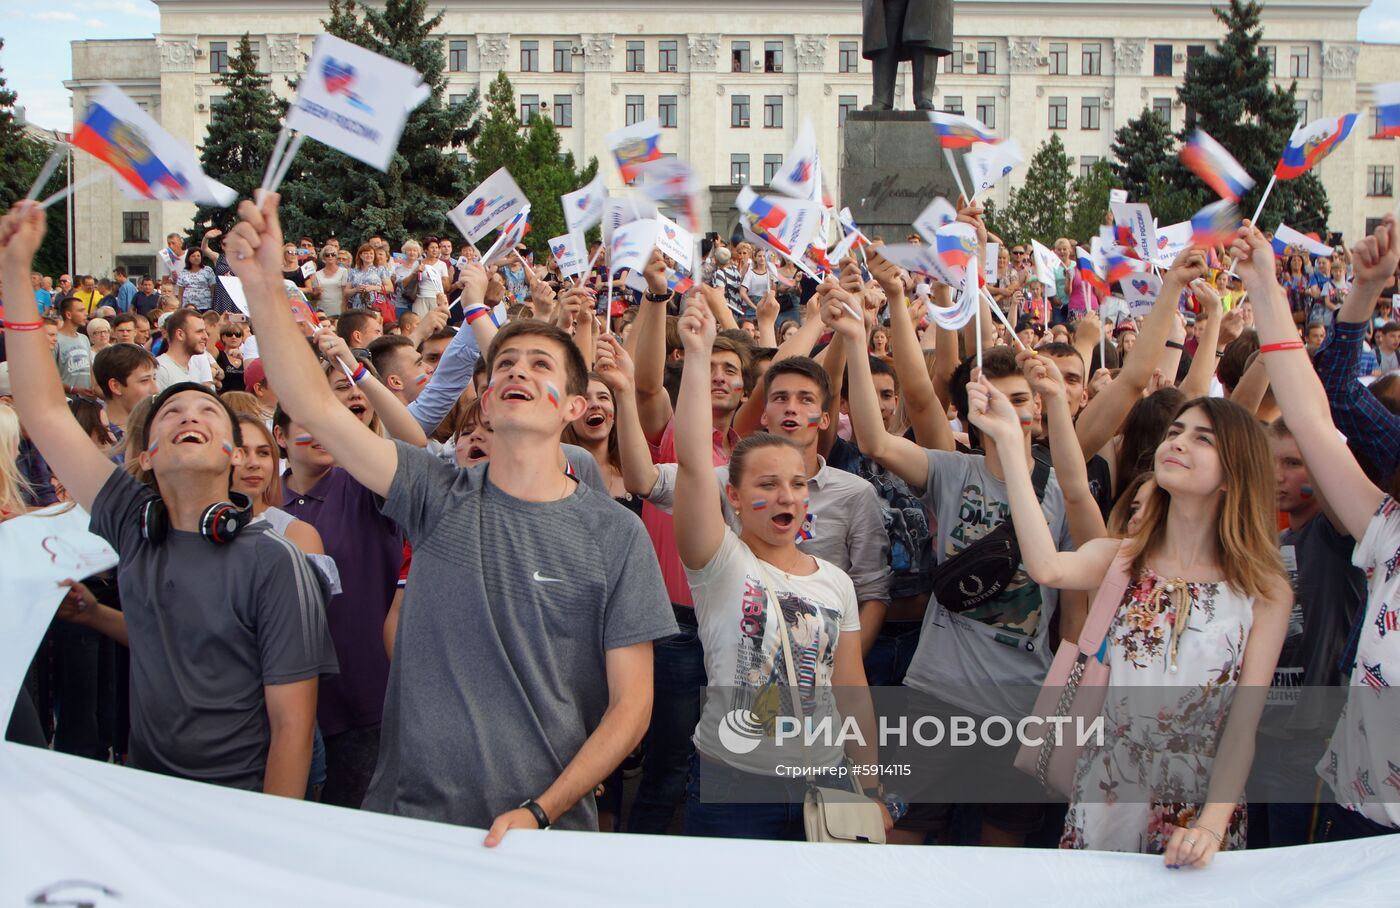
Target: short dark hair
575,370
68,304
352,321
383,349
1235,359
739,457
742,349
997,362
117,362
804,366
446,334
179,388
877,367
1059,349
122,318
119,270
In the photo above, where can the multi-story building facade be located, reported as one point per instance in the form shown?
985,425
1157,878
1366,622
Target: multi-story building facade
731,82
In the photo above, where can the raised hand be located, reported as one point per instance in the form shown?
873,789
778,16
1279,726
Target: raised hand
1042,373
334,348
697,329
992,414
613,365
768,307
1376,257
254,246
1254,258
1189,265
836,307
655,273
473,280
887,274
21,232
1205,295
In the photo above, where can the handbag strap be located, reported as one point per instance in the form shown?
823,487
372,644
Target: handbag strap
1106,602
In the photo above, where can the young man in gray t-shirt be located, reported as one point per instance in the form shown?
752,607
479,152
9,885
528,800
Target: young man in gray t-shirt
522,664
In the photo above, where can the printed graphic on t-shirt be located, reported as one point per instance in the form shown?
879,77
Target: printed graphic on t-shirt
759,670
1017,610
1289,675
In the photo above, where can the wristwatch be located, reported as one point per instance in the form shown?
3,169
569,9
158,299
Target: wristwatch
537,812
658,297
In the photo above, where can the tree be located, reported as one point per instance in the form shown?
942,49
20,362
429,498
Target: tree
331,194
1140,149
531,152
22,156
1040,208
241,134
1229,92
1088,203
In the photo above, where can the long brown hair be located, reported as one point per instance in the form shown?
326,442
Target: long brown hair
1246,537
570,435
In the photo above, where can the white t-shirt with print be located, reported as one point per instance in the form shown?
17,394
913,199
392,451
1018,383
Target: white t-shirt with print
744,665
432,279
1362,764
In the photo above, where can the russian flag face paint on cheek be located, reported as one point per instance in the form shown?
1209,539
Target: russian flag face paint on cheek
302,441
814,421
760,504
151,451
422,379
553,394
228,449
1306,491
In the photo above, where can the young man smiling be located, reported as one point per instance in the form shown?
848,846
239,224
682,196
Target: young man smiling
226,626
522,669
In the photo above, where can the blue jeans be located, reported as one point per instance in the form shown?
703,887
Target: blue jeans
1337,824
889,658
1282,768
678,683
718,816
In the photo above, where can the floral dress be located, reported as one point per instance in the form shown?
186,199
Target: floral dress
1166,706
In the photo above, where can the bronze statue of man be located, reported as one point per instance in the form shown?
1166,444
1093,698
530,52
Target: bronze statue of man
919,31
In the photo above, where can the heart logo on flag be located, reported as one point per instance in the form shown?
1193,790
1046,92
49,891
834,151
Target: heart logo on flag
475,209
339,79
670,232
1161,242
1141,286
558,250
802,172
582,203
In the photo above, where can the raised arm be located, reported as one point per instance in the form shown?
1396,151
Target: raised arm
454,371
653,403
748,418
38,392
699,520
1071,472
767,310
613,364
921,403
1099,421
834,364
1208,321
254,249
900,455
1253,385
1296,386
397,421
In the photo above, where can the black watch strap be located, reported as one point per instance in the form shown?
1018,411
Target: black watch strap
658,297
537,812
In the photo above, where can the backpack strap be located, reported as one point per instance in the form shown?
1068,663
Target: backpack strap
1106,602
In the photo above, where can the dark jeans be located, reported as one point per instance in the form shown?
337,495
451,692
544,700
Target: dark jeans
1281,768
77,689
1337,824
678,683
350,760
889,658
717,816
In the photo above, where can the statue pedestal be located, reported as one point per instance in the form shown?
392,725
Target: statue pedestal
891,168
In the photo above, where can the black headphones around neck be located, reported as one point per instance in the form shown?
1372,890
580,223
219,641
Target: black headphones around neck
220,523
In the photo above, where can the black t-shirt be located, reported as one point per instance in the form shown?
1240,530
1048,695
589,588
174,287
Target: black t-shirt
233,375
907,521
209,626
295,276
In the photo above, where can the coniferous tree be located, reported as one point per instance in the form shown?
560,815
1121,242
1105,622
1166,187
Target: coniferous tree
1040,208
240,137
331,194
1089,202
1140,148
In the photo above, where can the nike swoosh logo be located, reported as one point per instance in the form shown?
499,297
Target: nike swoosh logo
539,578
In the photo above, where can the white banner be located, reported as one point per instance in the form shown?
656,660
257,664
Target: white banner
1137,217
488,206
799,176
988,164
355,101
617,212
631,245
511,234
1046,262
1140,292
675,242
584,207
989,267
1171,242
938,213
570,251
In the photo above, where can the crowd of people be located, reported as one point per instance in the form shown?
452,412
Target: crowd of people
504,548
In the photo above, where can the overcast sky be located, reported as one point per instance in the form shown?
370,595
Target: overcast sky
37,58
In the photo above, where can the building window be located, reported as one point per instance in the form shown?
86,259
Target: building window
529,107
1270,54
670,56
987,112
1086,165
738,169
218,56
457,56
453,100
987,58
529,56
636,109
739,57
953,63
1091,60
844,105
953,104
1301,107
739,111
1162,107
563,110
1194,53
216,101
1380,180
1059,113
563,57
1059,59
136,226
636,56
772,111
771,163
772,56
668,111
1089,113
1161,60
1298,62
849,57
1372,224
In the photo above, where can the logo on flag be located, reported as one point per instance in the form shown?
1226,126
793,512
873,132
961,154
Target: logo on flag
559,250
635,145
1311,143
340,79
1286,237
477,208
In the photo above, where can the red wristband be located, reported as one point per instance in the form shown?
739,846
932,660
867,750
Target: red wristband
1282,345
474,314
24,326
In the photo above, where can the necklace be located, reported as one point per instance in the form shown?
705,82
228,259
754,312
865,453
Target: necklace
1176,595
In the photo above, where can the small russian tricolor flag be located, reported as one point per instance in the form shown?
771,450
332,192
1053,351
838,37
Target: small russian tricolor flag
1087,272
1209,160
1310,144
1388,110
1215,224
956,131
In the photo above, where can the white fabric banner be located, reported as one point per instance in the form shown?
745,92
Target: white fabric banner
488,206
570,251
938,213
989,164
675,242
584,207
1046,261
1137,217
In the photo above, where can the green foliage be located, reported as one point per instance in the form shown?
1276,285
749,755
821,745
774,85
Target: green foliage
1089,202
1040,208
1140,149
330,194
241,134
531,152
21,158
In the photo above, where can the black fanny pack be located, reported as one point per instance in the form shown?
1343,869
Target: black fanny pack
982,571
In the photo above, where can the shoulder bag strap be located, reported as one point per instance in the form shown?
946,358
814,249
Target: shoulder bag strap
1106,602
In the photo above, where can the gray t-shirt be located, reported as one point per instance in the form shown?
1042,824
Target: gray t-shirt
511,606
74,357
210,626
985,660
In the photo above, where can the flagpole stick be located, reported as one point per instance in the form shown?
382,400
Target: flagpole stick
1101,343
957,175
280,146
286,163
1262,199
1001,316
71,188
47,170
